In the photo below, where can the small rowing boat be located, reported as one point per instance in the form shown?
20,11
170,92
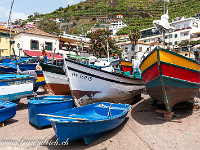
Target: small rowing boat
87,122
7,110
47,105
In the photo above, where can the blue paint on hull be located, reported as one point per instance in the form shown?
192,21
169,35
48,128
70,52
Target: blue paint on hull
98,120
15,96
7,110
47,105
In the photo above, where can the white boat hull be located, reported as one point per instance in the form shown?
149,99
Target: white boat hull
57,83
90,85
15,90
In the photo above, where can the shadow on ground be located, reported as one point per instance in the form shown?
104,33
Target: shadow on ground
9,122
144,113
79,144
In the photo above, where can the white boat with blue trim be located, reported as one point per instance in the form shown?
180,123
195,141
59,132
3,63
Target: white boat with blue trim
14,87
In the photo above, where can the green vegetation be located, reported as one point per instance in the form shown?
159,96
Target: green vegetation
99,40
139,13
133,33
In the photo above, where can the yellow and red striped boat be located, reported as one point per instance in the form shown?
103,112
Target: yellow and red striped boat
169,77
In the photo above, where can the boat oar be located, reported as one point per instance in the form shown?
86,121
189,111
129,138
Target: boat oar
79,119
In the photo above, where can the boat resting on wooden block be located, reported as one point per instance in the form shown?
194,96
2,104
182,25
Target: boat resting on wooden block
56,79
47,105
170,78
87,122
14,87
89,84
7,110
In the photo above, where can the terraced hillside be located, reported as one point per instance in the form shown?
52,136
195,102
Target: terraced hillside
138,13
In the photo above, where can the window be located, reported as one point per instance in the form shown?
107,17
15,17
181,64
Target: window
48,46
147,49
140,49
175,42
176,35
34,45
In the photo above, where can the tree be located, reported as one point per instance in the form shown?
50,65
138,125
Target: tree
48,26
99,40
133,33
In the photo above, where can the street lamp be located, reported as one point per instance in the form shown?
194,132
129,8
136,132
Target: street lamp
18,46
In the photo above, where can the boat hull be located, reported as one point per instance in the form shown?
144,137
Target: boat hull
47,105
89,85
56,79
98,120
15,88
7,110
170,78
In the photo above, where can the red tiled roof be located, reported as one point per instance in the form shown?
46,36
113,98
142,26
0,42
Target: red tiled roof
36,53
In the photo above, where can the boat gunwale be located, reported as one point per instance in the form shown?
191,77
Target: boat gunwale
107,118
87,66
170,64
106,79
14,79
169,52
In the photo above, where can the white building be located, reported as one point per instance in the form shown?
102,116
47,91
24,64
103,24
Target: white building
33,40
116,25
140,49
183,29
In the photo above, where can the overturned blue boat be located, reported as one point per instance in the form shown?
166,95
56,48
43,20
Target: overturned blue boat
87,122
7,110
46,105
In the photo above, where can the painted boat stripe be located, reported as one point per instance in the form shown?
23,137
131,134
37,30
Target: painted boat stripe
176,60
152,59
112,73
106,79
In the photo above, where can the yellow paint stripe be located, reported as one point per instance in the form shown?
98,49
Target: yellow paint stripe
176,60
149,61
126,63
40,79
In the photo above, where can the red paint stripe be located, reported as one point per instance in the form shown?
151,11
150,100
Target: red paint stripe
127,68
180,73
40,75
150,74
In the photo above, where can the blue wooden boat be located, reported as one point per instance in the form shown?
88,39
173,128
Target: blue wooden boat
87,122
7,110
14,87
47,105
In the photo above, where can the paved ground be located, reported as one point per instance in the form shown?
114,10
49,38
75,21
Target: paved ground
140,131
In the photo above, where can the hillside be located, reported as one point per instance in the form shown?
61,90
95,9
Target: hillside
140,13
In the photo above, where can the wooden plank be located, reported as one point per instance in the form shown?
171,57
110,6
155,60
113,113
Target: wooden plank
79,119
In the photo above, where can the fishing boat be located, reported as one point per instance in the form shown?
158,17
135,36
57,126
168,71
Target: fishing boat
47,105
14,87
11,68
87,122
89,84
56,80
7,110
170,78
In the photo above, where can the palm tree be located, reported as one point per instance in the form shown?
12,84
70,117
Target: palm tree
133,33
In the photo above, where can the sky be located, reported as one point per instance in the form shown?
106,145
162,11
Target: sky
23,8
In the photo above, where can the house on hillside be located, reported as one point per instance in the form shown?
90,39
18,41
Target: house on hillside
140,49
32,41
116,25
183,30
5,42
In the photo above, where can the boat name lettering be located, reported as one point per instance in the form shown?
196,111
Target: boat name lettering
82,76
19,82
